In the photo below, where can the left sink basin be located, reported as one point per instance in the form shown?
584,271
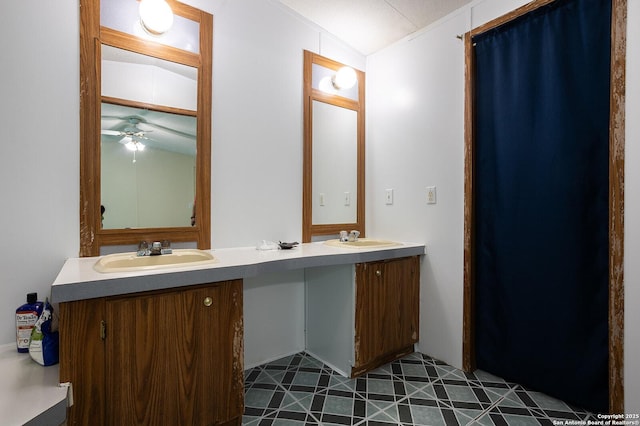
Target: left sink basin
123,262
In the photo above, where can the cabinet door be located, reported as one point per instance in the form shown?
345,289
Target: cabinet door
82,359
175,357
387,311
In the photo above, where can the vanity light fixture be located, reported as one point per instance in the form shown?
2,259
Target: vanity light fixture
344,78
156,16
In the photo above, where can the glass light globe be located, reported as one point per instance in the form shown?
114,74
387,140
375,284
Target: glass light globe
156,16
326,85
345,78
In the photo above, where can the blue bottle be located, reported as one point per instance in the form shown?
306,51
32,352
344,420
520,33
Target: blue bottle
26,317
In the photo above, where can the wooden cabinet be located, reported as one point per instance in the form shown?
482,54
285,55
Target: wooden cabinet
387,311
358,318
163,357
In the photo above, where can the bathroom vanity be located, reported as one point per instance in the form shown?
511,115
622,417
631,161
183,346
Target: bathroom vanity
361,316
165,346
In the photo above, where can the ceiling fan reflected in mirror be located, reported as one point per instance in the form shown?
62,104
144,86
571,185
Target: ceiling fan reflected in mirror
132,136
172,133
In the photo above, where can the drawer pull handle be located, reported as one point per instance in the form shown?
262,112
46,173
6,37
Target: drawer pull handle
378,273
207,301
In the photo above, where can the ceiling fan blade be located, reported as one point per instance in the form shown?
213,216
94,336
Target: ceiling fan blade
110,132
170,130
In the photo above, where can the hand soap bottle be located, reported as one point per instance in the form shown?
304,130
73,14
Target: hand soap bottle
26,317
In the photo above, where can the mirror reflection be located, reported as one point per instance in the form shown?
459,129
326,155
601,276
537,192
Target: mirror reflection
335,178
148,161
148,141
145,79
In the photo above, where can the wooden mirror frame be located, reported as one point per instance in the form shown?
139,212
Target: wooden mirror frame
92,36
309,230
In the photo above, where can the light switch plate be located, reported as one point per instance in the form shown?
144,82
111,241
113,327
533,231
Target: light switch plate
388,196
431,195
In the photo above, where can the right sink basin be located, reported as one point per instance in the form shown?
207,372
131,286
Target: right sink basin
362,243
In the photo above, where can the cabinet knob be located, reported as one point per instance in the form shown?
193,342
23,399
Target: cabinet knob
379,273
207,301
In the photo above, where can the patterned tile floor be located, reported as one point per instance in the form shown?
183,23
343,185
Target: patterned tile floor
415,390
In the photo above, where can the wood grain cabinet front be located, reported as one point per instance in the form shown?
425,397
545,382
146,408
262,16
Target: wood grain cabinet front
163,357
387,311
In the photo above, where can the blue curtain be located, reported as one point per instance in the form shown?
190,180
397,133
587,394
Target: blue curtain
541,146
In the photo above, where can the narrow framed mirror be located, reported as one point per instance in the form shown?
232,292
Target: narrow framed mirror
145,126
333,166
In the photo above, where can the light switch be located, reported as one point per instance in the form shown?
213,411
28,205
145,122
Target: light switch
321,199
347,198
388,196
431,194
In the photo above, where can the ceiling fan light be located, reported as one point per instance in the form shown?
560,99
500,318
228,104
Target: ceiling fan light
134,145
156,16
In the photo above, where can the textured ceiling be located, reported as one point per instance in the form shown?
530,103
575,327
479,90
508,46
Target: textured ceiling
371,25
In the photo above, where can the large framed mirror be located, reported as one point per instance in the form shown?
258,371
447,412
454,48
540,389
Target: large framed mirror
333,166
145,126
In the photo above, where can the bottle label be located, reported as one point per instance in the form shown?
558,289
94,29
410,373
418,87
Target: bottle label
35,349
25,321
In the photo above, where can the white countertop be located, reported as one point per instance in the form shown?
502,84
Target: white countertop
29,393
78,280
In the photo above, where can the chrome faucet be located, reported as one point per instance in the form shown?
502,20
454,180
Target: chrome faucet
349,236
157,248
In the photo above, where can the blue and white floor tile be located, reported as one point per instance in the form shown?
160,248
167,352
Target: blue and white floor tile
415,390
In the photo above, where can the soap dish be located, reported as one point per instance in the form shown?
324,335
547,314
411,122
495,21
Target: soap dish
287,246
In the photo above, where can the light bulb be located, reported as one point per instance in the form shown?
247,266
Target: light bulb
345,78
156,16
134,146
326,85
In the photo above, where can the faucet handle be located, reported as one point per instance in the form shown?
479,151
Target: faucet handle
353,236
143,248
166,247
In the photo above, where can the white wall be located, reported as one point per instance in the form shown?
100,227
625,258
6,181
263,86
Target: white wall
39,149
415,114
415,97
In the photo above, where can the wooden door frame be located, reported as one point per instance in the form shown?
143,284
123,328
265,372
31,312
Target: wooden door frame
616,196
